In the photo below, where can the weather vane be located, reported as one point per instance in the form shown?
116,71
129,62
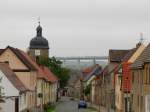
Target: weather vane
39,20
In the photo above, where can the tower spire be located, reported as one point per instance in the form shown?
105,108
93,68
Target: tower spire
39,20
39,29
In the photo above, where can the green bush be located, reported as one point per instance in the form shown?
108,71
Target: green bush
87,90
49,108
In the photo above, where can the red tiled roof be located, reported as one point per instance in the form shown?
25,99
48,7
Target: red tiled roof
50,76
43,72
12,77
87,70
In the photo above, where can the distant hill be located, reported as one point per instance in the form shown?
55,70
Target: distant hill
78,66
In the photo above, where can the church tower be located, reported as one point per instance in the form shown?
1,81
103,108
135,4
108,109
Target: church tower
39,46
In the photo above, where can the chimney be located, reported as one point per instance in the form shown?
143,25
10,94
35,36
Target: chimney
138,45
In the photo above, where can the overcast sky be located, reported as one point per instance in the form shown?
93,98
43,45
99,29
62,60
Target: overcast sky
75,27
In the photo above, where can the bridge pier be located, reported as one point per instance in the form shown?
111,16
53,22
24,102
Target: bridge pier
94,61
79,61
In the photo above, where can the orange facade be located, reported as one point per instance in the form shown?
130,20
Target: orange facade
126,77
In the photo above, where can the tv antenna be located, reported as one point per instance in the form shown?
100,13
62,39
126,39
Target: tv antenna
141,38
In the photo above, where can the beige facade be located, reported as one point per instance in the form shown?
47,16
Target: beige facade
27,77
77,89
14,61
40,93
96,92
48,91
118,94
110,90
53,92
141,89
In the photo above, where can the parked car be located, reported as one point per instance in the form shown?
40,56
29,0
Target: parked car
82,104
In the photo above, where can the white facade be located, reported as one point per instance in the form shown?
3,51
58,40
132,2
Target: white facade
93,90
9,105
22,102
10,93
8,88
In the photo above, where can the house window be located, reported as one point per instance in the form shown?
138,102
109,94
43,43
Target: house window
25,98
139,77
132,77
147,77
147,70
142,76
149,74
141,103
138,100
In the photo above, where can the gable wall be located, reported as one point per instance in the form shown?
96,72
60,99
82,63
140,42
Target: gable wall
13,60
137,54
28,79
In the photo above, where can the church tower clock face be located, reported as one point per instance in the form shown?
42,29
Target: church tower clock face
37,53
39,46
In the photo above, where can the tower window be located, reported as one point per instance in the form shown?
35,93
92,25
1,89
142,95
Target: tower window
37,53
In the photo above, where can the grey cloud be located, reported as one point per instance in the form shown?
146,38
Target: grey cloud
75,27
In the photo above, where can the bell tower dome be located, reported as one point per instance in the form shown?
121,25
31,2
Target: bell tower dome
39,45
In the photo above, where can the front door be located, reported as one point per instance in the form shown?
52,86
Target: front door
16,104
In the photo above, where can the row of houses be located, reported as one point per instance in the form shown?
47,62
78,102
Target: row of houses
26,86
123,85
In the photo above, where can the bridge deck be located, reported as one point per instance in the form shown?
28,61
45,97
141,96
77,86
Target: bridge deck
83,58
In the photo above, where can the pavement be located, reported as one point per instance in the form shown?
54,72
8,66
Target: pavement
102,109
67,105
